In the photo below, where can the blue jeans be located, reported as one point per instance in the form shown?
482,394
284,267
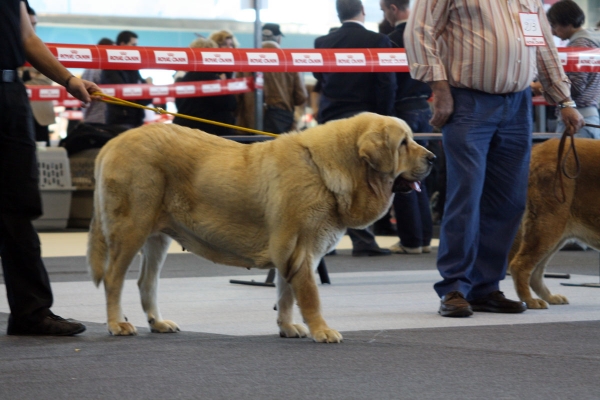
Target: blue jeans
487,143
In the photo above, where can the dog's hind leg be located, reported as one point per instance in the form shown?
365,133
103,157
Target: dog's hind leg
527,267
537,279
285,308
154,253
121,254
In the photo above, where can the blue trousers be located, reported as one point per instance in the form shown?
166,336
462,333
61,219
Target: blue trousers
413,215
487,142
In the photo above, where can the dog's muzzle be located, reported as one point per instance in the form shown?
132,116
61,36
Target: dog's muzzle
402,185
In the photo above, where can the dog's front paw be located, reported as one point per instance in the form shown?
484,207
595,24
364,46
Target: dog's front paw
557,299
121,329
164,326
536,304
293,331
327,336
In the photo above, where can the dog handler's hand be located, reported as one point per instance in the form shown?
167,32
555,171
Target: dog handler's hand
572,119
81,89
443,103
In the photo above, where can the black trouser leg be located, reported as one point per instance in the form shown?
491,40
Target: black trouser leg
413,218
27,284
362,239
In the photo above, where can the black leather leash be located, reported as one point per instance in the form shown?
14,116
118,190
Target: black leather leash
561,163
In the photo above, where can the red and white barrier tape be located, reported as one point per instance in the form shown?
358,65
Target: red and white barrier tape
266,60
145,91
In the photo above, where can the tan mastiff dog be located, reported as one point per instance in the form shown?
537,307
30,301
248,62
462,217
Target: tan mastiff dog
277,204
548,223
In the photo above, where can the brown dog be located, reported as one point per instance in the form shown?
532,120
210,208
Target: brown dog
278,204
548,223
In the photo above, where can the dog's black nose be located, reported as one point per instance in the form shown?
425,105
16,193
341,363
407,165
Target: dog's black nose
431,158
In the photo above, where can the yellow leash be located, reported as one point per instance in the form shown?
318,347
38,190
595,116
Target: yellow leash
120,102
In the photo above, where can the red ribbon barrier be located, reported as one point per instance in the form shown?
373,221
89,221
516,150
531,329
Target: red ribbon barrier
145,91
266,60
231,60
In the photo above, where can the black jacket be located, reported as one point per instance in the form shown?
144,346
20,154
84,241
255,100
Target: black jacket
344,94
121,115
216,108
409,90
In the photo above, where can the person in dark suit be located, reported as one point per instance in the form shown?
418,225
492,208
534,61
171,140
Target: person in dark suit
216,108
346,94
413,216
125,117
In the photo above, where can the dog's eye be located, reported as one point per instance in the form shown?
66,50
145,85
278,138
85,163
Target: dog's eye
404,142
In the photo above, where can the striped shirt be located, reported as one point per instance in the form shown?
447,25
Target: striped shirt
585,89
479,44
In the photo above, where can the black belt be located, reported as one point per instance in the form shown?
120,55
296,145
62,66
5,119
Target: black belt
9,75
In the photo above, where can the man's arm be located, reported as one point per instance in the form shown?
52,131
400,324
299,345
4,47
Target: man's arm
443,103
425,23
44,61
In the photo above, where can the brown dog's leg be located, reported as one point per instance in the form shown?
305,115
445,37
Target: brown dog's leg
120,257
306,292
527,267
127,236
154,253
537,280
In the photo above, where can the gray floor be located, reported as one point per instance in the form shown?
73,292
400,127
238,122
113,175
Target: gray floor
545,354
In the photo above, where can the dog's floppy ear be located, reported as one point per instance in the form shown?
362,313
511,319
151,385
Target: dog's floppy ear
378,151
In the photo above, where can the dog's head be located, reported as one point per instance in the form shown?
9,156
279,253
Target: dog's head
388,147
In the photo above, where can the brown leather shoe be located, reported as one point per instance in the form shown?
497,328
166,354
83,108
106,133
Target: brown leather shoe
453,304
496,302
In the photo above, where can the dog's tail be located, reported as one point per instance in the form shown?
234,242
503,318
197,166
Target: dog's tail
97,251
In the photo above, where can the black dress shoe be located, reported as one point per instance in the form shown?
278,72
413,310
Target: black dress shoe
371,252
453,304
496,302
51,325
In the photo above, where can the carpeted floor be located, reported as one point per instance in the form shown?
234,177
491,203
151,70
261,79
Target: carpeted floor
539,361
535,355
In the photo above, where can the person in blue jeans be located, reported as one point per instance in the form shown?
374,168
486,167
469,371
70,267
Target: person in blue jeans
413,215
479,61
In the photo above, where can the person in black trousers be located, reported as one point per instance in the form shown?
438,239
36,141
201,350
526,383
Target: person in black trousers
413,216
27,284
346,94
